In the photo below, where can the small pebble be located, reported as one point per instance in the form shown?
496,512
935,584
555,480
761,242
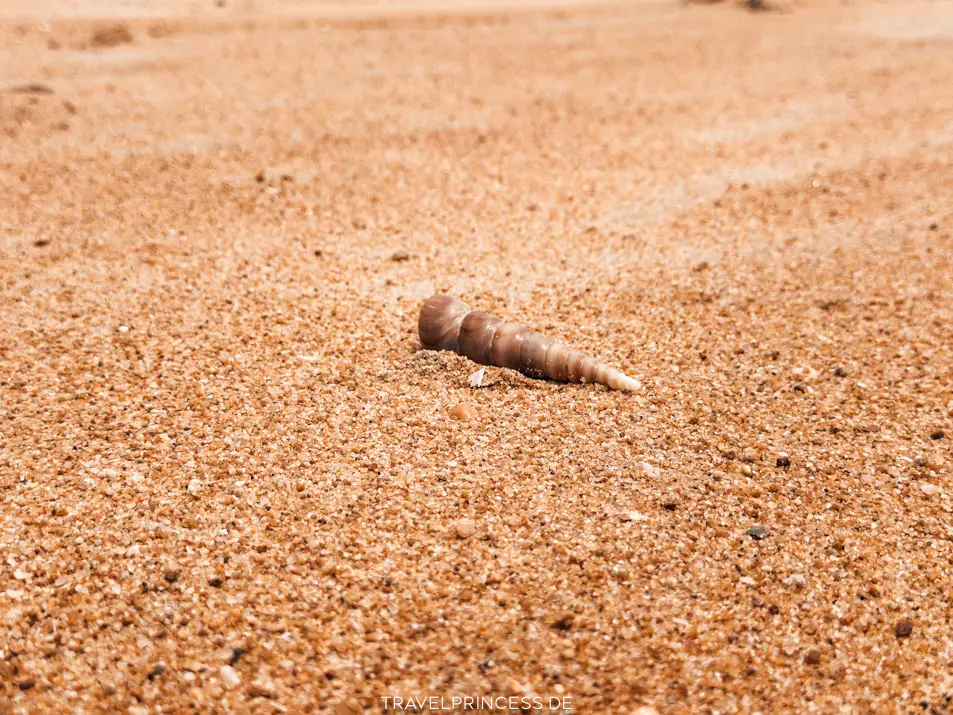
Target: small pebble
463,412
750,455
465,528
812,657
930,489
840,371
229,677
939,434
670,501
564,621
262,688
347,707
400,256
757,532
172,574
795,581
783,460
903,629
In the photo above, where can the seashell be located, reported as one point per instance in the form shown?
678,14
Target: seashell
447,323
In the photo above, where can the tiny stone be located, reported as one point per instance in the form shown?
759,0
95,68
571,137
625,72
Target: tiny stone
930,489
261,688
670,501
750,455
229,677
216,581
795,581
783,460
400,256
903,629
512,520
193,486
462,412
840,371
634,516
939,434
757,532
934,226
347,707
465,528
812,657
563,622
172,574
748,581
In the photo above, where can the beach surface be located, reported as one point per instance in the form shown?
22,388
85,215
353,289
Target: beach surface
232,481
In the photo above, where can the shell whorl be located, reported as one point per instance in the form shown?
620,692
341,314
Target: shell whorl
439,322
446,323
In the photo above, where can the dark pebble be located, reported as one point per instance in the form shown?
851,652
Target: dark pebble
939,434
784,461
26,685
903,629
564,622
757,532
812,657
840,371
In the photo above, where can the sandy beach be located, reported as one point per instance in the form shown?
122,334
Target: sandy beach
232,481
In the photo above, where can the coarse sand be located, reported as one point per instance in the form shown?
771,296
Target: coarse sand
231,480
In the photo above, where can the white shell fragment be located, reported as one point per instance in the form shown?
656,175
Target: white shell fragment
476,379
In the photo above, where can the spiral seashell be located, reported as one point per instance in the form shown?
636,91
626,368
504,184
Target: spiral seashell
447,323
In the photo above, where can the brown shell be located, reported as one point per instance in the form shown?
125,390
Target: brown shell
439,322
446,323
